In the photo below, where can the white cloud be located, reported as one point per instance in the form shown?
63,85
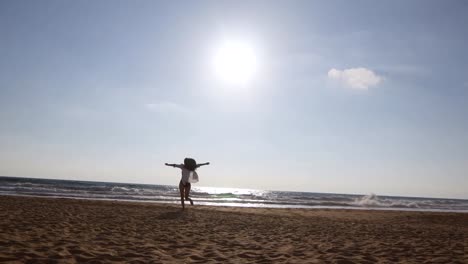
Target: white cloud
167,108
356,78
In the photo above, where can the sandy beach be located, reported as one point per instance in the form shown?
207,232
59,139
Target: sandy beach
36,230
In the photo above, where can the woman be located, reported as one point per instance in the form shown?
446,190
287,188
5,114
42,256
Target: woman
188,170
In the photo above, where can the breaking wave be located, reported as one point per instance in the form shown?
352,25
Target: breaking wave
373,200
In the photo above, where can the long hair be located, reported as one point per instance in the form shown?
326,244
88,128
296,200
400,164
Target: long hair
190,164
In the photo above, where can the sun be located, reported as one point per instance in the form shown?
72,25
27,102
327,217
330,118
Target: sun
235,62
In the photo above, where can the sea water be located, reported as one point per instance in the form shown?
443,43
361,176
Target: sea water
221,196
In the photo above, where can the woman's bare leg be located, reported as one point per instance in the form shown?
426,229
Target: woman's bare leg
181,190
187,193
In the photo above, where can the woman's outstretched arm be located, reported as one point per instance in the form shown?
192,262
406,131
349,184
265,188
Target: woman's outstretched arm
172,165
203,164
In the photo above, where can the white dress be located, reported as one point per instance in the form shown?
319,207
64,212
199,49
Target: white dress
188,176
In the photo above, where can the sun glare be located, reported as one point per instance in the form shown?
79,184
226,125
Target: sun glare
235,62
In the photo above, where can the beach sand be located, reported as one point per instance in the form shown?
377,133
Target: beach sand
36,230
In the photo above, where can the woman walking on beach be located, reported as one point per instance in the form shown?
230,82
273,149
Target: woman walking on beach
188,176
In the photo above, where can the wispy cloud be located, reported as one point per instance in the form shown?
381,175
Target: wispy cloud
356,78
167,108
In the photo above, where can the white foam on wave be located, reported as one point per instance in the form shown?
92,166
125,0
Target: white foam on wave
122,189
372,200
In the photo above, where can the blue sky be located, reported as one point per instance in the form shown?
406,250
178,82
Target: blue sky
349,96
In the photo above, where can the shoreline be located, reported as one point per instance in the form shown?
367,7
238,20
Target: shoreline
273,190
241,205
77,231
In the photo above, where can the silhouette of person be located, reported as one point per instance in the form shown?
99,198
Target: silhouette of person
188,175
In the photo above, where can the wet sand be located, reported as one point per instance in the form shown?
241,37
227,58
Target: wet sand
36,230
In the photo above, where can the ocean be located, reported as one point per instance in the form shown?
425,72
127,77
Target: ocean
220,196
